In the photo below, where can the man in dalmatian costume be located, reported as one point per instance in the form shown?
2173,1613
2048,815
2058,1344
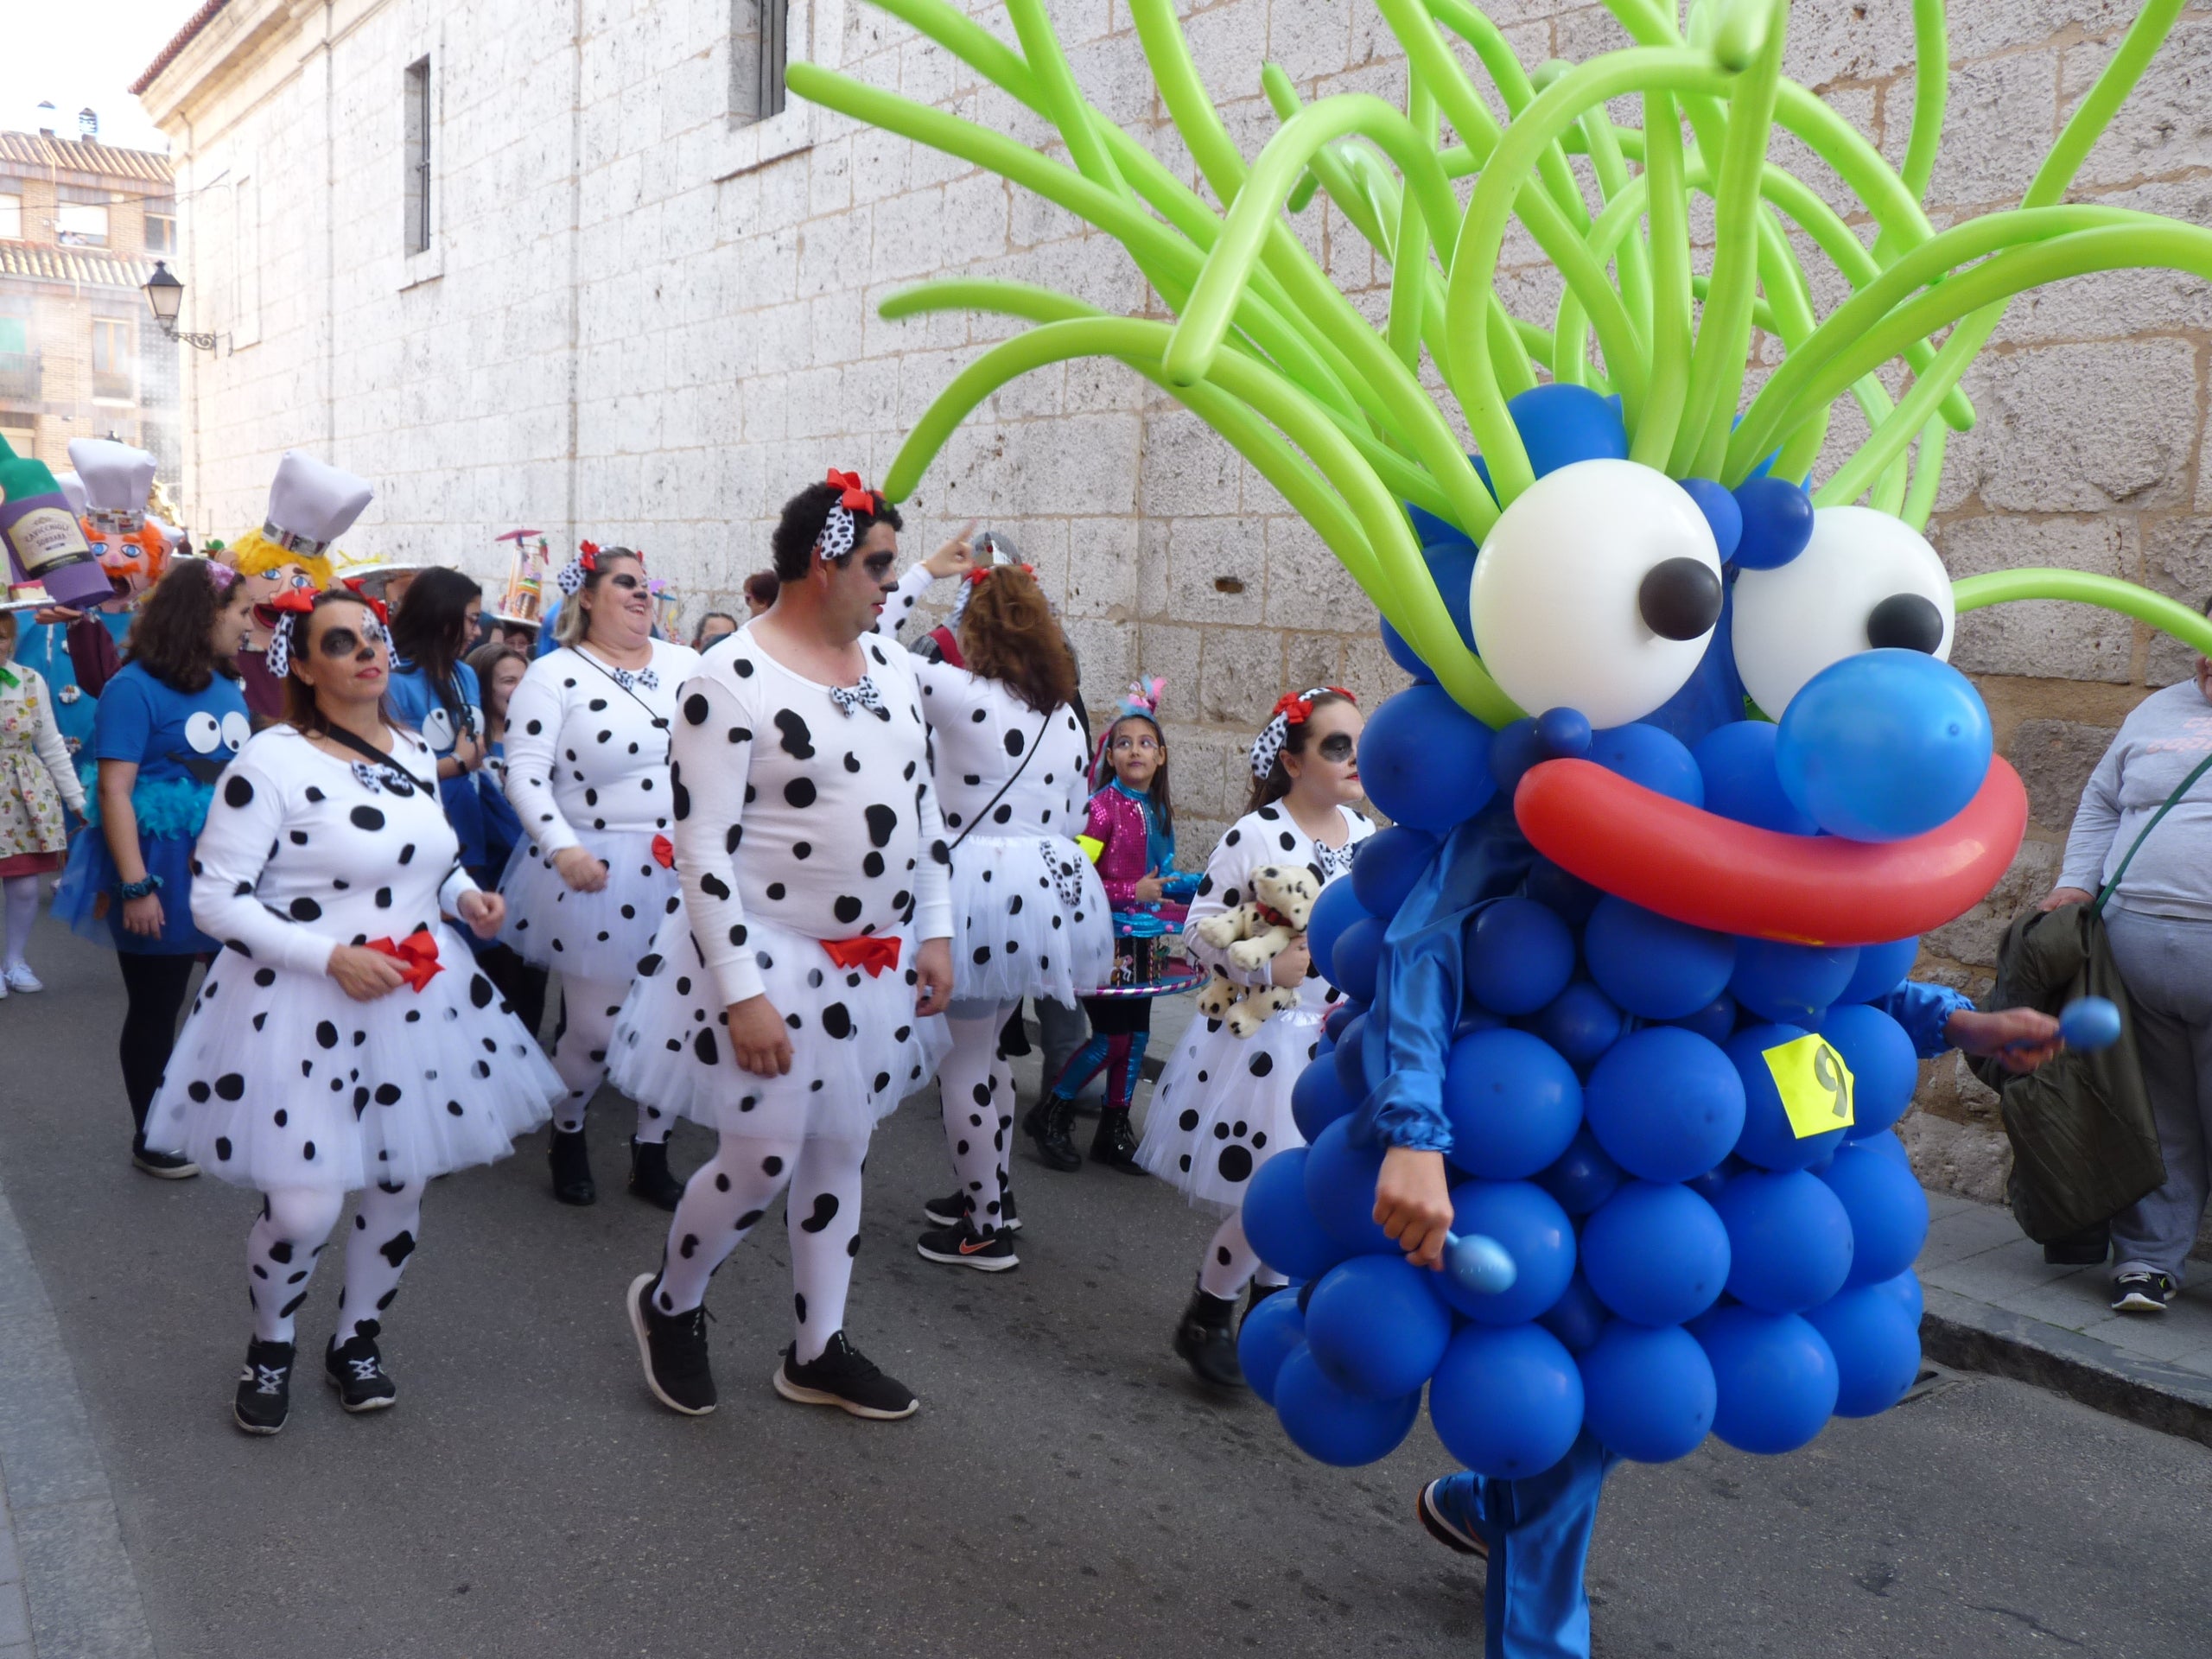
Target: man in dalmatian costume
796,997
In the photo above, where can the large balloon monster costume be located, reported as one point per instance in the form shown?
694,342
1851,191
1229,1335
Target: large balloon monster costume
1685,770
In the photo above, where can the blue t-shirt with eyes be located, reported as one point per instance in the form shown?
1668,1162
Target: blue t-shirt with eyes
416,705
167,733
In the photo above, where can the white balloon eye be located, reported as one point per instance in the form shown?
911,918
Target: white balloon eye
437,729
236,729
1597,590
1865,581
203,731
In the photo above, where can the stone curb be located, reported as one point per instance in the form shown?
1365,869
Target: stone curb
1972,1336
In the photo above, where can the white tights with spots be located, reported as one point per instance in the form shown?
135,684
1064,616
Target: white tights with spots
294,1223
977,1087
588,1011
728,1197
1231,1263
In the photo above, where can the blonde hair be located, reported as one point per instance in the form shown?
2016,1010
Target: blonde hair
572,622
255,555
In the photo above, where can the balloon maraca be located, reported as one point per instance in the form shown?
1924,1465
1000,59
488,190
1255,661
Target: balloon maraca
1477,1264
2089,1023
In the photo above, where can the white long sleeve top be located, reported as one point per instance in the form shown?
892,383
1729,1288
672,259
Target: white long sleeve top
982,732
588,744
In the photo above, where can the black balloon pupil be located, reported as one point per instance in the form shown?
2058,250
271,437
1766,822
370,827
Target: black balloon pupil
1905,622
1680,599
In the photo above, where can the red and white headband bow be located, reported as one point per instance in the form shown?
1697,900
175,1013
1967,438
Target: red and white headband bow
581,569
1289,711
841,530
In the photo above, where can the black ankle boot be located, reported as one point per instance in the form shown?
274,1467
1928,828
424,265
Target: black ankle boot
571,1162
1206,1342
1258,1294
1116,1143
1047,1123
649,1175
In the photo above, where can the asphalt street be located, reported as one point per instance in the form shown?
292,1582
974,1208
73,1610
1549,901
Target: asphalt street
1066,1489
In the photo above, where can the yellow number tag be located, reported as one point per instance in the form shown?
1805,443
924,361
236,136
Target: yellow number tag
1091,846
1815,1084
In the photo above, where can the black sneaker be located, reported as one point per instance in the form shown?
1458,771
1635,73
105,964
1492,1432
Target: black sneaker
950,1212
672,1347
163,1167
2141,1293
264,1396
356,1371
963,1247
1206,1340
843,1378
1443,1527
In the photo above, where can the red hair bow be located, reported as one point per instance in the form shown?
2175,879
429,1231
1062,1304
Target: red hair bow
873,951
1297,705
857,496
353,584
416,955
588,554
982,572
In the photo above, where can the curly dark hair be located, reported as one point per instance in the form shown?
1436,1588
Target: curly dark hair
1272,788
171,637
1009,633
430,630
800,528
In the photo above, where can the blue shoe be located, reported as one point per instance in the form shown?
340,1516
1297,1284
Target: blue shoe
1445,1507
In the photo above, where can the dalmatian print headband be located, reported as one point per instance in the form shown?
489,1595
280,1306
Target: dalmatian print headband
1289,711
581,570
842,529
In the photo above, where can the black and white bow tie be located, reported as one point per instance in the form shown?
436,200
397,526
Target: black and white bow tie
630,682
376,779
864,696
1334,860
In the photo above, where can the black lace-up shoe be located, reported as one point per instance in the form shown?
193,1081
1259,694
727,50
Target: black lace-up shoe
571,1161
264,1396
843,1377
1116,1143
356,1371
672,1347
1047,1123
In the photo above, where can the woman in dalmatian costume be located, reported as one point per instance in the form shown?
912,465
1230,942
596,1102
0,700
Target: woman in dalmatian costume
1222,1107
586,761
343,1041
1029,918
791,1004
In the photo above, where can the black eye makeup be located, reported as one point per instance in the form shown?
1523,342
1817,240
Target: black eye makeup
1337,746
878,564
626,581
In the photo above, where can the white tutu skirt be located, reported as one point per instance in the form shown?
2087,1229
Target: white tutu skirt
281,1079
1223,1105
857,1050
591,935
1029,918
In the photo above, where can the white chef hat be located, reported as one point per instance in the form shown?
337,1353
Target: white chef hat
118,478
312,503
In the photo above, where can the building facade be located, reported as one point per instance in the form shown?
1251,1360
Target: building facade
580,268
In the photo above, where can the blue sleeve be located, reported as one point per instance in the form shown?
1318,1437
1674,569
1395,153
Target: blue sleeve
410,697
1923,1011
125,726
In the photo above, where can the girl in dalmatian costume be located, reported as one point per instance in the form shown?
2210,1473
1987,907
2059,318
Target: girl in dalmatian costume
1222,1107
1029,918
343,1041
791,1003
588,738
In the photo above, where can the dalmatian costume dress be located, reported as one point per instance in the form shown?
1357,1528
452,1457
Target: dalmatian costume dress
282,1081
587,766
1223,1106
804,813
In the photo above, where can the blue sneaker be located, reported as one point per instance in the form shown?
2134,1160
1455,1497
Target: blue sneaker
1445,1507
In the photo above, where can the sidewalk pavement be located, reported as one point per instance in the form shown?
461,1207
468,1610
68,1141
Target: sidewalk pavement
1994,1306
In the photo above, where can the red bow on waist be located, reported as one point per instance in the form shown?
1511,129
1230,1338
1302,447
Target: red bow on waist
416,955
873,951
664,852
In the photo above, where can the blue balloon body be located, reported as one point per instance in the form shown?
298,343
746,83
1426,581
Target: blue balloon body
1319,1098
1648,1392
1584,1177
1665,1104
1888,1211
1424,761
1356,958
1387,864
1885,1070
1715,1021
1714,1181
1775,1378
1270,1333
1736,762
1655,1254
1907,1289
1769,1139
1888,1145
1529,1224
1515,747
1280,1224
1403,654
1472,1018
1560,424
1578,1318
1340,1189
1513,1104
1791,983
1884,745
1722,514
1348,1057
1569,897
1789,1240
1507,1403
1335,1428
1565,732
1375,1327
1519,955
1875,1338
1581,1023
1644,754
1881,969
1653,967
1778,523
1340,1015
1336,909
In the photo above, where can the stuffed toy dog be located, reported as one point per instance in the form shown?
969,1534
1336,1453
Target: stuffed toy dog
1254,933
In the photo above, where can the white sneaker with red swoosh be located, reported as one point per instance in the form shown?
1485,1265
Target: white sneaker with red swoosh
963,1247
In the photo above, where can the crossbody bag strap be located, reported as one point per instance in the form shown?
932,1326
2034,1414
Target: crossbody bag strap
2105,893
1035,743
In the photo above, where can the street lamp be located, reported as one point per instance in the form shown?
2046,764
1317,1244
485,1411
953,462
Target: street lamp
165,296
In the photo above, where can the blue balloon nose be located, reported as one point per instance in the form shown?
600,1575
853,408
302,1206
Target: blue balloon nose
1882,745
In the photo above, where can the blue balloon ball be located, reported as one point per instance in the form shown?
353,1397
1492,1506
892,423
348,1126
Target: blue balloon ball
1513,1104
1451,561
1281,1225
1336,909
1349,1058
1907,1289
1777,520
1648,1392
1340,1189
1528,1225
1403,654
1518,955
1736,762
1514,748
1876,1342
1583,1177
1387,864
1884,745
1424,761
1339,1015
1578,1318
1887,1144
1335,1428
1474,1017
1565,732
1715,1021
1375,1327
1789,1240
1888,1211
1507,1403
1769,1140
1885,1068
1319,1098
1714,1181
1775,1378
1655,967
1569,897
1655,1254
1792,984
1270,1334
1722,514
1665,1104
1357,959
1581,1023
1644,754
1560,424
1881,969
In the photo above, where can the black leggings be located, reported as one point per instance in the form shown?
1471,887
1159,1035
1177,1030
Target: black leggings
156,986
